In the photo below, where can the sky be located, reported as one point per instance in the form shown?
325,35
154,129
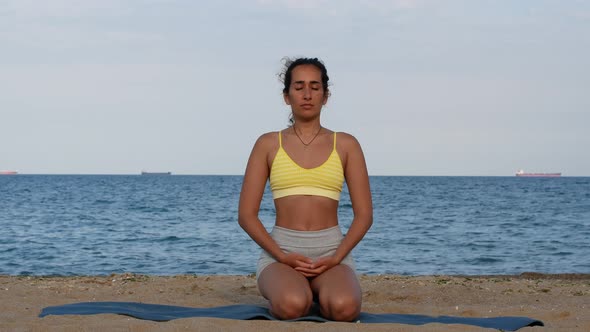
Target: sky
428,87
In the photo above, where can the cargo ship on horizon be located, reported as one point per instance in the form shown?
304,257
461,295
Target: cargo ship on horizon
155,173
522,173
8,172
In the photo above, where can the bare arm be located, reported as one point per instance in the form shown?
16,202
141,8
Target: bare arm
357,180
253,185
257,172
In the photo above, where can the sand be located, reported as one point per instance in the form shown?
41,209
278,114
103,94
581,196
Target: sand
562,302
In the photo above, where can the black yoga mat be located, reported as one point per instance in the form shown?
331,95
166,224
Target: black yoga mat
158,312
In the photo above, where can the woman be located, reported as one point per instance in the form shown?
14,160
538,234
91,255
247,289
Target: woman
306,257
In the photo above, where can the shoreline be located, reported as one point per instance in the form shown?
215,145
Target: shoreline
561,301
525,275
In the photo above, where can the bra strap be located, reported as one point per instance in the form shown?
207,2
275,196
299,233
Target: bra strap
334,140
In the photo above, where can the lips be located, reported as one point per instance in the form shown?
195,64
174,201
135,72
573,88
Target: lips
306,106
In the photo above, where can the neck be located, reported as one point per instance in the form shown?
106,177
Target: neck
307,128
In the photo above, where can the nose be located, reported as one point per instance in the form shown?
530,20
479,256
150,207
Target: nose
307,93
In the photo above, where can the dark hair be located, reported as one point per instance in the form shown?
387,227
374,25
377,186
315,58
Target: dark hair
290,64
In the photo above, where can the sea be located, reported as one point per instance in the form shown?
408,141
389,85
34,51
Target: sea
69,225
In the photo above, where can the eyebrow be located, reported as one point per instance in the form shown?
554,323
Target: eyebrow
302,82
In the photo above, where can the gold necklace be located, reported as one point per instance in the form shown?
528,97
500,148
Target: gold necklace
305,145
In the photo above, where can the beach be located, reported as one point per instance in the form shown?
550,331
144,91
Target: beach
561,301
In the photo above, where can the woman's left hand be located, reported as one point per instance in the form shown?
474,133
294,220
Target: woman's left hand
318,266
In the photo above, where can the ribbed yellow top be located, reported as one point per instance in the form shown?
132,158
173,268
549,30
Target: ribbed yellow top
288,178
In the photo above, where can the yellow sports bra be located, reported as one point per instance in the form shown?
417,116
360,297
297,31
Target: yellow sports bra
288,178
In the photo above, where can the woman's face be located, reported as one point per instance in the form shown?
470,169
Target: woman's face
306,92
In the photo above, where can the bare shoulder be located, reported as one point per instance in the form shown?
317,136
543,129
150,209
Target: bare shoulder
347,141
267,141
272,135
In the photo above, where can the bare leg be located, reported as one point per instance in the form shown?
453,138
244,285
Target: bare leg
287,290
339,293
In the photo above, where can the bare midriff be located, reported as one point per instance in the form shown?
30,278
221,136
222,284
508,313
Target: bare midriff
306,213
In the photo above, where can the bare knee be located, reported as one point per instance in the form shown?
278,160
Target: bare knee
288,291
291,305
344,308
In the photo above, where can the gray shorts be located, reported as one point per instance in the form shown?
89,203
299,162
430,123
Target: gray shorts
312,244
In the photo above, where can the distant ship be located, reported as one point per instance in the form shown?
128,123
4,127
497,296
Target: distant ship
537,175
155,173
8,172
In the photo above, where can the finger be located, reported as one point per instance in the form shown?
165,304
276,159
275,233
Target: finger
317,265
307,274
302,258
306,259
311,271
318,270
303,264
319,262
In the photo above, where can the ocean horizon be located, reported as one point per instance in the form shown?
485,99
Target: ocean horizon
96,224
172,173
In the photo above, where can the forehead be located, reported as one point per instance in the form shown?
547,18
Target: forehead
306,73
